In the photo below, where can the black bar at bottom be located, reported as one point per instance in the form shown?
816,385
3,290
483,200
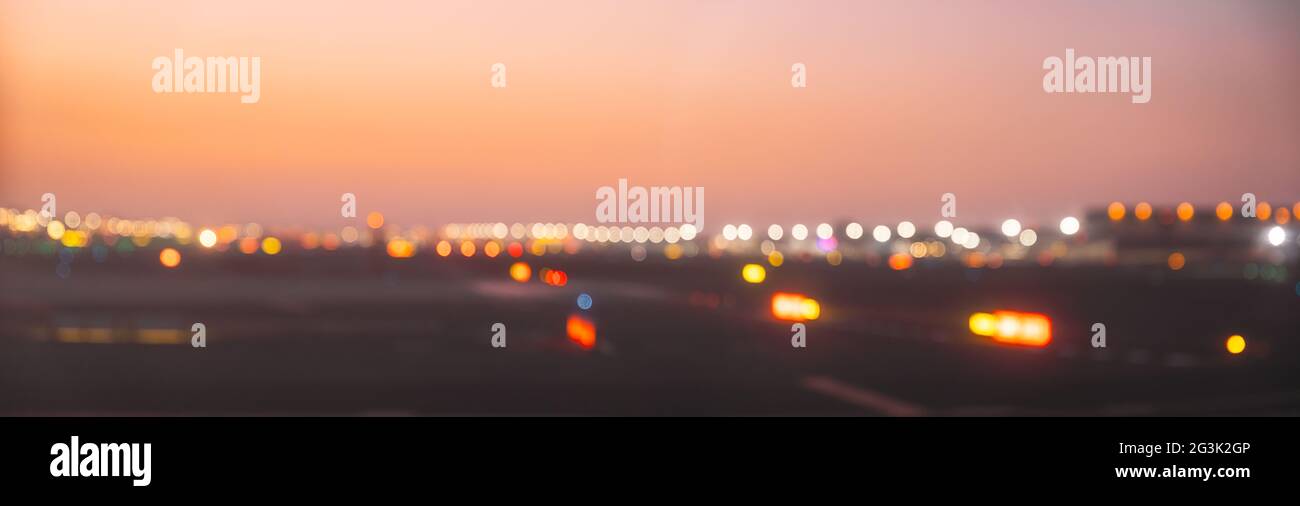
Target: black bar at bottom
320,455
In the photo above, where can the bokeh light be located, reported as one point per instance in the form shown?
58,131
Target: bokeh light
900,261
271,245
1115,211
170,258
1276,235
207,238
853,231
1142,211
521,272
906,229
1223,211
880,233
1176,261
943,229
1011,228
375,220
1070,225
1236,344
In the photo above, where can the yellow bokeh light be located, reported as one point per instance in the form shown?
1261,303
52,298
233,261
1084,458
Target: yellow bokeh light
55,229
74,239
983,324
1236,344
811,309
795,307
1142,211
673,252
271,246
1223,211
1186,211
776,259
753,273
521,272
170,258
834,257
1116,211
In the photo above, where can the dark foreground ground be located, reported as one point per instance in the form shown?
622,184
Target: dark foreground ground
354,333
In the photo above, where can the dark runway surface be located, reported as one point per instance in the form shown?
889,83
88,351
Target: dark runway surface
360,334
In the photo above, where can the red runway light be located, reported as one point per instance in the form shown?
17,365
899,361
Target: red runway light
554,277
581,331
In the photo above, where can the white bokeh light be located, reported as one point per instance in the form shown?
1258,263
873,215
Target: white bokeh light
880,233
1276,236
1028,237
824,231
1070,225
906,229
853,231
943,229
1011,228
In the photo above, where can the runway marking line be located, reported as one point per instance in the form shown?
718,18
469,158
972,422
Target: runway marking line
861,397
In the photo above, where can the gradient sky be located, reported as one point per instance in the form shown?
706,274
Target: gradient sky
391,101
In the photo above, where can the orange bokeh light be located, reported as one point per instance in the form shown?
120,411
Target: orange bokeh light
1142,211
170,258
581,331
1116,211
1013,327
1223,211
795,307
401,248
521,272
900,261
1186,211
1177,261
375,220
249,245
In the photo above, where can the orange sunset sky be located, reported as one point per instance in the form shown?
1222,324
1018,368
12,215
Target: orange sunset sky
392,101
